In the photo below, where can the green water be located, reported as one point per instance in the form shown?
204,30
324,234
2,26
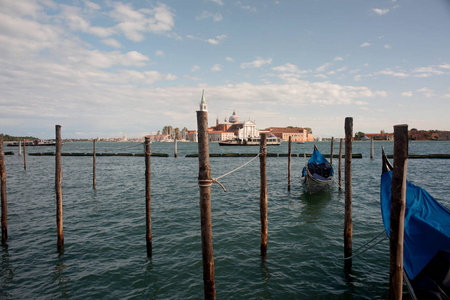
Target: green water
104,228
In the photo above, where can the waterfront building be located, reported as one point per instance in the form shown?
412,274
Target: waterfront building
297,134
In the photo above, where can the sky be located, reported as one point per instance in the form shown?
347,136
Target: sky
112,68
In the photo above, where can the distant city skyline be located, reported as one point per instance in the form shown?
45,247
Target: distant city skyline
109,68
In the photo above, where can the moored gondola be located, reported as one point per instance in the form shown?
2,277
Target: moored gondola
317,175
426,250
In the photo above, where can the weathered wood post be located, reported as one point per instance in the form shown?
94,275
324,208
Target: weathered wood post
204,183
331,152
263,203
3,193
24,156
93,165
289,163
20,148
397,217
58,174
371,148
348,226
148,219
340,164
175,150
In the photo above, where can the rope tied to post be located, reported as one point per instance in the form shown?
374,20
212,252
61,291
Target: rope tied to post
207,183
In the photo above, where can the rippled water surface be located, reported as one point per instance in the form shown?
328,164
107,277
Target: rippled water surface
104,228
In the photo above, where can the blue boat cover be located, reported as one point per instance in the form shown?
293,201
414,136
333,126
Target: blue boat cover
427,225
318,158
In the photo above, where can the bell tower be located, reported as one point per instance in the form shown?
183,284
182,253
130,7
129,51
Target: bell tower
203,102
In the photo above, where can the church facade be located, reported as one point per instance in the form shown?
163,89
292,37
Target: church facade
232,128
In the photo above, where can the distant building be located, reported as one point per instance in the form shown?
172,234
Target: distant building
192,136
296,134
382,136
232,128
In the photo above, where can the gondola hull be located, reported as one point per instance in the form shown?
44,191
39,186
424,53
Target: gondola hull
317,175
313,185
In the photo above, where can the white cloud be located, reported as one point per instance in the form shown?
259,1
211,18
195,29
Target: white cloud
286,68
407,94
392,73
135,23
365,44
216,17
111,42
216,67
91,5
427,71
387,47
427,92
195,68
217,39
380,11
246,7
229,59
259,62
159,53
338,58
444,66
323,67
218,2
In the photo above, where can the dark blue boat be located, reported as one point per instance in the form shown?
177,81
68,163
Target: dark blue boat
317,175
426,250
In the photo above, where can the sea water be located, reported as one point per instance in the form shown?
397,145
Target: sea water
104,228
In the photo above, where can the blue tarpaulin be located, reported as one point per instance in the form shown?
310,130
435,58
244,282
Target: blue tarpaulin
318,159
427,225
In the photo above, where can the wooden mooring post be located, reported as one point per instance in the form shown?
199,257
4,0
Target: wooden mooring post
175,154
263,203
204,183
20,148
58,175
93,165
24,157
397,217
148,219
348,223
371,148
3,193
331,151
340,164
289,163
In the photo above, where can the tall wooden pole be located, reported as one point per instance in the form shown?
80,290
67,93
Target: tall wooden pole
93,166
175,150
397,218
148,219
371,148
20,148
204,182
3,194
348,226
340,164
24,157
58,174
263,203
331,152
289,163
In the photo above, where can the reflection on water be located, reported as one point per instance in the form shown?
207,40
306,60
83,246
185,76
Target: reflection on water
7,273
60,277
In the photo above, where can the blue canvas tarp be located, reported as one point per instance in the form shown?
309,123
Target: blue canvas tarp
427,225
320,162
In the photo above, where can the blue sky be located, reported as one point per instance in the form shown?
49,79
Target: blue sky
109,68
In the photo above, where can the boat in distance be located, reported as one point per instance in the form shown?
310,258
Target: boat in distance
256,141
33,143
426,242
317,175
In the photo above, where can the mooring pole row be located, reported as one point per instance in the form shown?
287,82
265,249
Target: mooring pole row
397,216
348,226
24,157
58,175
205,181
93,165
289,163
148,219
331,151
263,203
340,164
3,194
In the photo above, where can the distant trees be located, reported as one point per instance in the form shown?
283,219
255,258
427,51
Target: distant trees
359,135
10,138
